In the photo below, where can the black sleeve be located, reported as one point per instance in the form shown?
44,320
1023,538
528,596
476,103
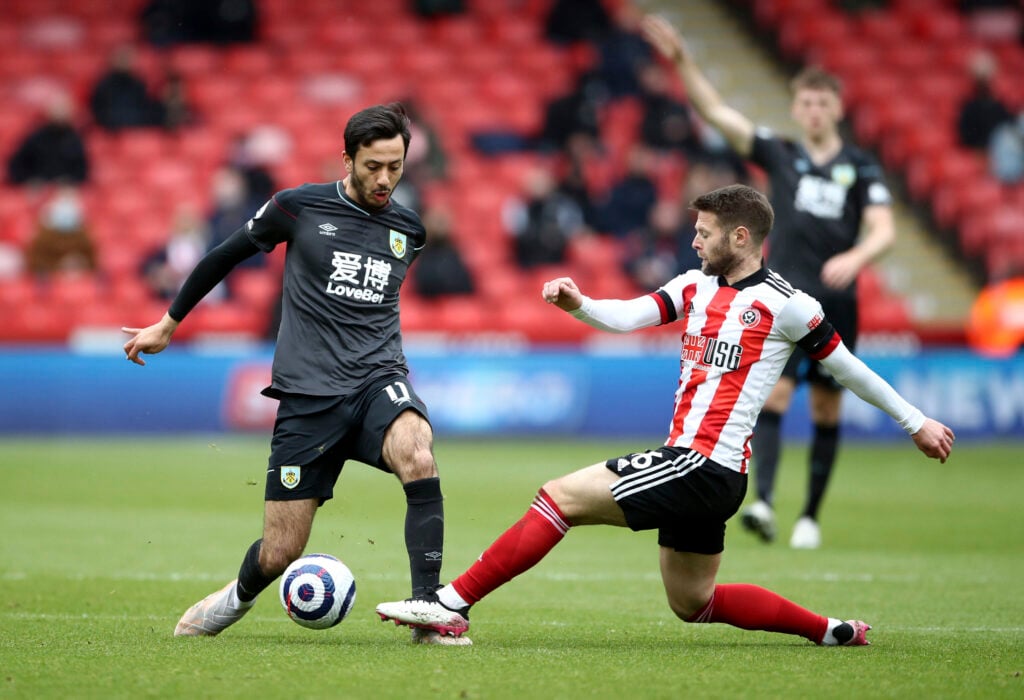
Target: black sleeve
209,271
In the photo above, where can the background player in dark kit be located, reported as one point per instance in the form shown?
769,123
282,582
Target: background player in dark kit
824,192
339,370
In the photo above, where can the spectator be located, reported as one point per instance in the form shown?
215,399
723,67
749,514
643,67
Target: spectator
569,21
169,22
629,202
440,269
622,54
175,109
166,269
120,99
53,152
231,203
253,155
1006,151
542,220
62,242
575,114
667,123
430,9
982,111
425,163
577,164
661,250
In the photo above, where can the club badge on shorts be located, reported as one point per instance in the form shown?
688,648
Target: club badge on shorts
291,476
397,243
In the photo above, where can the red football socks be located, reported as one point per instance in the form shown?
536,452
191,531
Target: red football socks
754,608
516,550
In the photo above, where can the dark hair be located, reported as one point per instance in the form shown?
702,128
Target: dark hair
374,123
738,205
815,78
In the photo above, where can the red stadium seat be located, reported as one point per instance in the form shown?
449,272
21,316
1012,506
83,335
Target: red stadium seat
953,166
801,34
255,288
19,291
955,200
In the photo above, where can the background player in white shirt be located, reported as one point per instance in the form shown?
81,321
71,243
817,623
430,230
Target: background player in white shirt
741,323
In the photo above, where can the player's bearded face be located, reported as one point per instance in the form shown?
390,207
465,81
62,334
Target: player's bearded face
375,171
712,244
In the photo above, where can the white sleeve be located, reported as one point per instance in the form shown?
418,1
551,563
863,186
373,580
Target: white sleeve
856,376
619,315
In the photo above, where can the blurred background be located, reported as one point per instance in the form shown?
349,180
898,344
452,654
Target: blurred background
548,140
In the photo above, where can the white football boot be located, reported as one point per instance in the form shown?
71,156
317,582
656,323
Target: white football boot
211,615
806,534
425,614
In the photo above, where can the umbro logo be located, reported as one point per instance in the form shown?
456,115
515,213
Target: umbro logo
327,229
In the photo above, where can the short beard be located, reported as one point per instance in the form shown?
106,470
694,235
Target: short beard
725,264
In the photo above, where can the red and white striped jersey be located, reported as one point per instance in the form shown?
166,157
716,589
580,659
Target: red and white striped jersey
735,342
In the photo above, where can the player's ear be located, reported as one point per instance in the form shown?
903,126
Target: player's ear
347,160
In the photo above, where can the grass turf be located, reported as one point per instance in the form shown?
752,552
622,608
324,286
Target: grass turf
106,542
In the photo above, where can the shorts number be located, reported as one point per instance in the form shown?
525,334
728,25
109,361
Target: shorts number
398,393
644,460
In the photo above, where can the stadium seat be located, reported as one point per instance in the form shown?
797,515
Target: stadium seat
954,200
19,291
800,34
211,319
768,13
73,290
944,167
463,315
256,288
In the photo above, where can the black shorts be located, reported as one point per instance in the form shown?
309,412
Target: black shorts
842,314
682,493
315,435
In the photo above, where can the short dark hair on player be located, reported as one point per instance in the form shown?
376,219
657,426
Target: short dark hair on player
815,78
738,205
375,123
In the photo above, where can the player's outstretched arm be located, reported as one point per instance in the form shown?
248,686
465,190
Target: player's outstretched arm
934,439
735,126
149,340
563,293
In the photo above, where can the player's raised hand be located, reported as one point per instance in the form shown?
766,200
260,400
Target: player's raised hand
563,293
934,439
149,340
660,34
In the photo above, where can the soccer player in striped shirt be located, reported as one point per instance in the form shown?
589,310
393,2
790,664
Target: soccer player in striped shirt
740,323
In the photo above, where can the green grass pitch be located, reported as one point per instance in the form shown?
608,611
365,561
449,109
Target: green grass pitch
106,542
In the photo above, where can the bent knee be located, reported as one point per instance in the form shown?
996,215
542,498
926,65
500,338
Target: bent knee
686,609
419,464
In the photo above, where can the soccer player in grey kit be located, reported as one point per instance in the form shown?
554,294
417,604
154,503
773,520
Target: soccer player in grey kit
339,371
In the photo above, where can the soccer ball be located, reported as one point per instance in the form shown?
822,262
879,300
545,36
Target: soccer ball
317,591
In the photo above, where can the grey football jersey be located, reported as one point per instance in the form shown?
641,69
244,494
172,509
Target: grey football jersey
344,267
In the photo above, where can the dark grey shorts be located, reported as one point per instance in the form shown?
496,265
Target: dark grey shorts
679,492
315,435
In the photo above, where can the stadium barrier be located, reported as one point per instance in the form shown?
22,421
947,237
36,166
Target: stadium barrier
51,390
